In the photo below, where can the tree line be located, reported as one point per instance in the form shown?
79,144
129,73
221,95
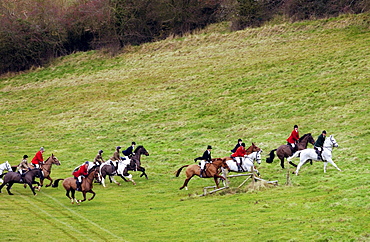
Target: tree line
32,32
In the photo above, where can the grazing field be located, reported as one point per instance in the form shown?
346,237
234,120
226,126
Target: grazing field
177,96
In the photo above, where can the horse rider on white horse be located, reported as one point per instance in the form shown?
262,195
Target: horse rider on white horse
319,144
99,158
206,158
239,155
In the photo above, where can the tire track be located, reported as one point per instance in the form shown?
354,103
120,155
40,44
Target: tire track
87,220
41,214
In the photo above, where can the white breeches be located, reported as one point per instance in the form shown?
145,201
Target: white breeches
202,164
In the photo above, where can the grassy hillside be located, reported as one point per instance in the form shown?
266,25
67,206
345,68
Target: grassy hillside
179,95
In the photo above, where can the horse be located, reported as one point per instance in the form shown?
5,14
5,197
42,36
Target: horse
4,167
212,170
106,169
122,171
136,164
70,185
247,163
14,177
89,167
123,167
284,151
310,154
46,169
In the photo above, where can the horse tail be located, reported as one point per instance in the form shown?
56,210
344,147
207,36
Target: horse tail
179,170
56,182
272,156
296,154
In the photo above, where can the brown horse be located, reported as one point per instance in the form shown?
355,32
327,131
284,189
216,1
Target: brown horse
46,169
14,177
212,170
284,151
87,184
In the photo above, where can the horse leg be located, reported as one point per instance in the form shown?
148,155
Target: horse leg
282,162
114,180
216,181
186,183
38,185
1,186
129,179
41,182
32,188
84,195
301,162
91,198
51,181
70,198
103,181
73,191
293,164
8,187
332,162
142,169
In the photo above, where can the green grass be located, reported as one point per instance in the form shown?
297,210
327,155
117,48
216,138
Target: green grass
179,95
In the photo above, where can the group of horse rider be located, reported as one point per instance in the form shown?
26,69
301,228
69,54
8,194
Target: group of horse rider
239,151
318,146
36,162
82,170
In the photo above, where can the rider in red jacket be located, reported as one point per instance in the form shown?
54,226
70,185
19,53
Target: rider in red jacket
38,159
82,171
240,153
294,137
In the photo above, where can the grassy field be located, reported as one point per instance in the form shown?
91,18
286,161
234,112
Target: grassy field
179,95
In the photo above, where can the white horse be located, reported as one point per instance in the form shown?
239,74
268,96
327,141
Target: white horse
247,163
310,154
4,166
121,171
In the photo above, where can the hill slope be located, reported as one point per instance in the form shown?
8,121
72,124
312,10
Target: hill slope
177,96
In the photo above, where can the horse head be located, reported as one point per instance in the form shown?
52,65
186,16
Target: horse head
307,138
332,141
258,157
95,170
252,148
54,160
141,151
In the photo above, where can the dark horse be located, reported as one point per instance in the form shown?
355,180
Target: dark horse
87,184
135,163
212,170
14,177
284,151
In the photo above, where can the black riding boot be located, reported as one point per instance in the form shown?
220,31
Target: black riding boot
201,173
78,186
239,167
